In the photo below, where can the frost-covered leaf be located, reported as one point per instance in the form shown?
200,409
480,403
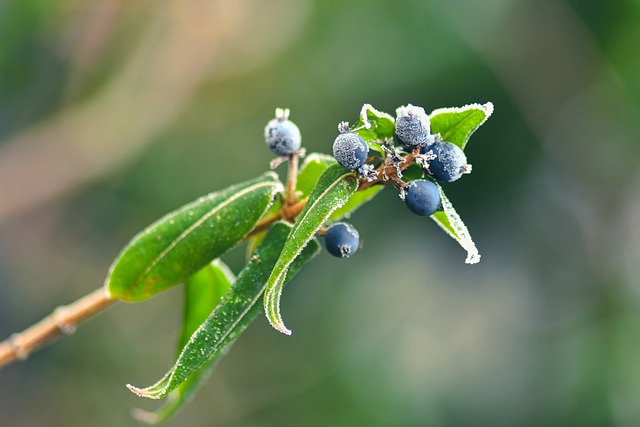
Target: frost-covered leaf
456,125
374,125
182,242
202,293
238,308
313,166
452,224
333,189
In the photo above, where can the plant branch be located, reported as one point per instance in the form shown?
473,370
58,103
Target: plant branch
63,320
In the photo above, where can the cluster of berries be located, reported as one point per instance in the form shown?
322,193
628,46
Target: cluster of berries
441,161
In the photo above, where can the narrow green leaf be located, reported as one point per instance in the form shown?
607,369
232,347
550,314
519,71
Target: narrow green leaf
313,166
202,293
238,308
456,125
452,224
374,126
333,189
182,242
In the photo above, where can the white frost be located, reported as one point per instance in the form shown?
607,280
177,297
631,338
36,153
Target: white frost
461,232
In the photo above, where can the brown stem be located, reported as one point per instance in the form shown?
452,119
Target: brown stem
63,320
290,196
388,173
286,213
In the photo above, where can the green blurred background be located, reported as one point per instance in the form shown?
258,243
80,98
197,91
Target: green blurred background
113,113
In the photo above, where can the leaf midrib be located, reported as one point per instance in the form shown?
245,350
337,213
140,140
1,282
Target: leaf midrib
197,224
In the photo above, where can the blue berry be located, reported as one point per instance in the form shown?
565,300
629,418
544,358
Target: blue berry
341,240
422,197
450,162
412,127
282,135
350,150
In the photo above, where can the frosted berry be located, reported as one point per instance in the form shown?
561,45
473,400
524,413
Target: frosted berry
349,149
341,240
412,127
422,197
450,162
282,135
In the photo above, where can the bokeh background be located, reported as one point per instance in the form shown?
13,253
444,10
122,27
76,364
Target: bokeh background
113,113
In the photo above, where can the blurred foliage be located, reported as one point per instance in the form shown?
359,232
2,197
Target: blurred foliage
113,113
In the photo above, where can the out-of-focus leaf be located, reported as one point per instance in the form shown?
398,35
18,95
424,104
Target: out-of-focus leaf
358,198
238,308
374,125
452,224
412,173
202,293
253,243
333,189
313,166
182,242
456,125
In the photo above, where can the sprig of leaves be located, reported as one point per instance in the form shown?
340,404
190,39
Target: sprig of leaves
180,248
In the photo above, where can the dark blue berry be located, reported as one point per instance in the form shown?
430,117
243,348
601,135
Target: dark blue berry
450,162
422,197
342,240
412,127
282,135
350,150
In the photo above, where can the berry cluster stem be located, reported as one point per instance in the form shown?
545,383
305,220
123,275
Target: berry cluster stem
388,171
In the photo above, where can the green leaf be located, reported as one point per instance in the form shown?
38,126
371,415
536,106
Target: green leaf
313,166
452,224
333,189
238,308
182,242
355,201
374,126
202,293
456,125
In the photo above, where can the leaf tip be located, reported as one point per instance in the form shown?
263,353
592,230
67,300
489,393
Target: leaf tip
145,416
135,390
488,109
278,325
142,392
284,330
472,258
